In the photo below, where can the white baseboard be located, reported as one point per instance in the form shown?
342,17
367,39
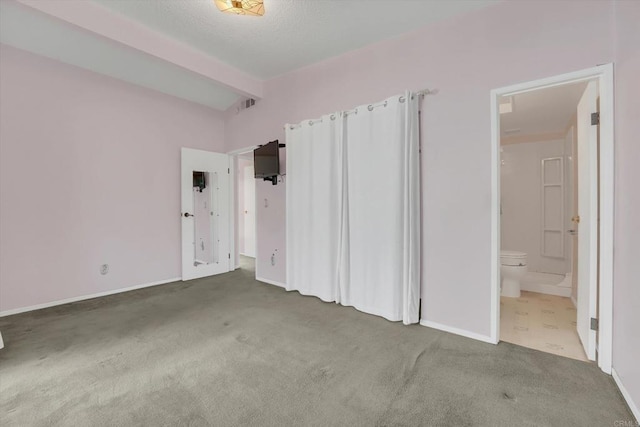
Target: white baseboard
626,395
85,297
462,332
271,282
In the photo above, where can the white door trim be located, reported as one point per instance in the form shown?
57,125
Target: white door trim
604,75
234,211
242,150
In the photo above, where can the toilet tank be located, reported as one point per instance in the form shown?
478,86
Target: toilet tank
513,258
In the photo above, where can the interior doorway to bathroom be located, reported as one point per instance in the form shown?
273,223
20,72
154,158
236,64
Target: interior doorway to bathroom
552,183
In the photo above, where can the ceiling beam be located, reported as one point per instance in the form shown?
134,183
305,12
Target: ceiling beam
97,19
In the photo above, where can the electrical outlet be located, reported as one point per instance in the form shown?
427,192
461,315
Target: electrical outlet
104,269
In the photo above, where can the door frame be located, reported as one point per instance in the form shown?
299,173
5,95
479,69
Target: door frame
232,183
604,75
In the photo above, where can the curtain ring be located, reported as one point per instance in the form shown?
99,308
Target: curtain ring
310,122
401,99
370,107
333,117
385,103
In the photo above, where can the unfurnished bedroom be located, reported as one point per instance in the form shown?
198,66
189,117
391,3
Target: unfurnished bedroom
323,212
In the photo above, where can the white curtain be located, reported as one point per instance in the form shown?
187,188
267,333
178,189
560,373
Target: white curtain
353,208
382,238
314,206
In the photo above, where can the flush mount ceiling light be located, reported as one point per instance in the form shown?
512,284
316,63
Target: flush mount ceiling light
241,7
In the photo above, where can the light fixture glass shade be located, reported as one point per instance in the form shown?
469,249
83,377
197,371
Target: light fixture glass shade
241,7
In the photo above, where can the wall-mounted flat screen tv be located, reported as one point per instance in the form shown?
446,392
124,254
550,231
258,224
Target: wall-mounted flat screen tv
266,161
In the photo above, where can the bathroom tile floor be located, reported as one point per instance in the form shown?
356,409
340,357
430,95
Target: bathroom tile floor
542,322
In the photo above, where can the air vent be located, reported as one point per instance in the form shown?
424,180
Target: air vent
245,103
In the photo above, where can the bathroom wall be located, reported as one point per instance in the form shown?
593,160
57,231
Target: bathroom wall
521,218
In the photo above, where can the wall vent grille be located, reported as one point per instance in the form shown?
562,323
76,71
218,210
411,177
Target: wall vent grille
244,104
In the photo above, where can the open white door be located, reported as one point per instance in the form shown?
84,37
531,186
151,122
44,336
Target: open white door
587,221
249,212
205,214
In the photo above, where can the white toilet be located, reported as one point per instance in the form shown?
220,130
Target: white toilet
513,267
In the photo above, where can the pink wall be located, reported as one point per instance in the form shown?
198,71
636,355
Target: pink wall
464,58
626,291
106,156
270,226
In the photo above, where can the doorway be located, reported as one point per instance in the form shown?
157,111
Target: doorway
246,206
245,242
552,181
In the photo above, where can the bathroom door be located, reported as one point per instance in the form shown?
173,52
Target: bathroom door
206,230
587,221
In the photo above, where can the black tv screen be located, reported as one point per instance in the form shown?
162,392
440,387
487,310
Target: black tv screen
266,161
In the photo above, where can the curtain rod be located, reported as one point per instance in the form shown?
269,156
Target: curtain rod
370,107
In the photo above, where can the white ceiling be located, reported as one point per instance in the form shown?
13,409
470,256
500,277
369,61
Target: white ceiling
542,111
36,32
292,33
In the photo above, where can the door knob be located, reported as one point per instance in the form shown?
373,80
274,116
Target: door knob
187,215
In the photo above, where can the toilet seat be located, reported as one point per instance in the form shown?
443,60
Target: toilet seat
513,258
